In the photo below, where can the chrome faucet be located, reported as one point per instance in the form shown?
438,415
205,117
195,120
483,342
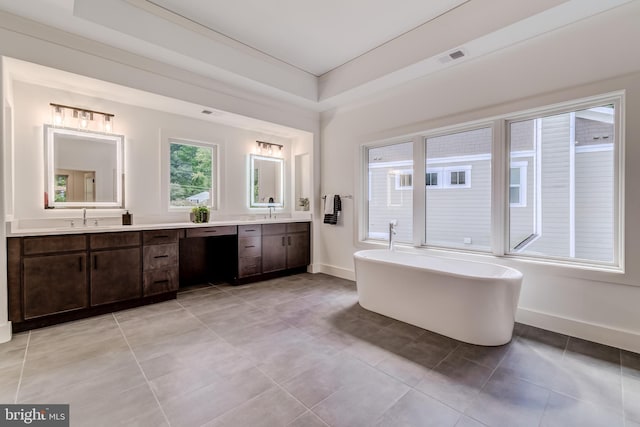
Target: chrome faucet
84,217
271,209
392,232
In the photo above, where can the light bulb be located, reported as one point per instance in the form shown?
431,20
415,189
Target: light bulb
58,116
108,126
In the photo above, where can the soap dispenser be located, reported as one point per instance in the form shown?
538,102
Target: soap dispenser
127,218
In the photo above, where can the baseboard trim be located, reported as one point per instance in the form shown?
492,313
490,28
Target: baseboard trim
340,272
5,332
624,339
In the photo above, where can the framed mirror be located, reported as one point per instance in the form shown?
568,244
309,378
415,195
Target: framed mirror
266,181
83,169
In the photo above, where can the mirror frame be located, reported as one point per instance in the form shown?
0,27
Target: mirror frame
252,203
49,165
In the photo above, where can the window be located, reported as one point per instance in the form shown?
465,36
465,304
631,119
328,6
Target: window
432,178
573,209
558,196
457,214
390,175
518,185
191,173
458,177
404,180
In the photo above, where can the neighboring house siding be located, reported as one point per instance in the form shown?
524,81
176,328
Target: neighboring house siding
555,231
454,214
594,205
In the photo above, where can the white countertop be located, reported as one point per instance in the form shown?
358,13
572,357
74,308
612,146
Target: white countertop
14,230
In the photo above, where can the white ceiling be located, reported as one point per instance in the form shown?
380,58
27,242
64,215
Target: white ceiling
316,55
313,36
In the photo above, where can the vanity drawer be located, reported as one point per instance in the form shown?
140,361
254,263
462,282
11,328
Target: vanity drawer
249,246
114,240
249,266
54,244
297,227
271,229
249,230
222,230
159,237
160,281
160,256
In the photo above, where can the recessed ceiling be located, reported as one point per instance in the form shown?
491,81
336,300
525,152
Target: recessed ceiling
313,36
314,55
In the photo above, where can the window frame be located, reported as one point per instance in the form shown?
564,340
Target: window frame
365,178
501,162
215,172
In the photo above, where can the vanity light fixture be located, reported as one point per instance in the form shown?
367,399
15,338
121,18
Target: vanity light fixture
83,117
269,148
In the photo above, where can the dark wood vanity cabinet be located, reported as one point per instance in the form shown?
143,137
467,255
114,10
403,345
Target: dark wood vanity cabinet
54,284
52,279
53,275
160,254
249,250
115,267
285,246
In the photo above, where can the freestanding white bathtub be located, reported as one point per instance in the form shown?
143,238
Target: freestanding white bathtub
469,301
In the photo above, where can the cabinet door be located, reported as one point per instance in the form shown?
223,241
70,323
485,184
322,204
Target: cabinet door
297,250
115,276
54,284
274,253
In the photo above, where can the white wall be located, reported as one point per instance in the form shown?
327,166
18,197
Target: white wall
557,67
146,132
5,99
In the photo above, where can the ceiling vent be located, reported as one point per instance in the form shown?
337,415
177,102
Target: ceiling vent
456,54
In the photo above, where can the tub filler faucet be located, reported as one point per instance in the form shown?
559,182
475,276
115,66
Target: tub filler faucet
392,232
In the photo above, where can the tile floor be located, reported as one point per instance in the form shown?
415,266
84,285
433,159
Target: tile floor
300,351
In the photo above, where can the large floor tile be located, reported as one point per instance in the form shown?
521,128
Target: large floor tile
221,395
300,351
417,410
564,411
308,419
587,382
361,404
274,407
599,355
508,401
455,381
12,352
327,377
632,398
9,379
630,364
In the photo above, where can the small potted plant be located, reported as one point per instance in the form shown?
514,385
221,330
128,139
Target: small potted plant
200,214
304,202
